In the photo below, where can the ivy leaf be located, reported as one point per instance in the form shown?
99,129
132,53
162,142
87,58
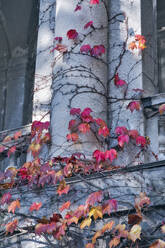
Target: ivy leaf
11,150
121,130
75,111
162,109
35,206
60,48
132,45
114,242
13,205
118,82
141,201
72,34
72,124
72,220
111,154
88,24
134,219
85,115
109,205
141,140
134,233
123,139
107,227
97,234
103,131
59,39
73,137
17,135
78,7
6,198
11,226
163,229
94,197
158,244
96,212
99,156
84,127
97,50
85,48
66,205
135,105
133,134
89,245
2,148
86,222
94,1
63,188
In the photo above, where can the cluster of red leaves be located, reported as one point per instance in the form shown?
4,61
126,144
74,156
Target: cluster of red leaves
84,122
95,51
138,43
124,136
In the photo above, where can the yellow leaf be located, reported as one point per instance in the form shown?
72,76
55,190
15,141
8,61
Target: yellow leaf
86,222
135,232
96,212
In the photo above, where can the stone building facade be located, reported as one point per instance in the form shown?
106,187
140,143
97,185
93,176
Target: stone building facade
37,83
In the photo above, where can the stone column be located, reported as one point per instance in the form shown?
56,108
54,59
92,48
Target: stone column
125,23
80,81
44,59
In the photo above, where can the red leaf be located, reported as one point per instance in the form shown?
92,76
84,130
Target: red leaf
59,39
118,81
104,131
78,7
123,139
97,50
75,111
63,188
85,48
11,226
88,24
84,127
66,205
111,155
99,156
109,206
13,205
94,1
141,140
2,148
72,34
133,134
72,124
61,48
85,115
5,198
121,130
73,136
35,206
135,105
94,197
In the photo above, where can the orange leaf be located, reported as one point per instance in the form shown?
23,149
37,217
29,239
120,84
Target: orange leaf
114,242
11,150
107,226
11,226
158,244
89,245
162,109
35,206
86,222
97,234
66,205
13,205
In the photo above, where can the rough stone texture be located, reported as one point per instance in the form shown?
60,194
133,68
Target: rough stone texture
80,81
44,60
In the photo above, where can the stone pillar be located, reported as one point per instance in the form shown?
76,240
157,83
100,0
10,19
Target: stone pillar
80,81
125,23
43,70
